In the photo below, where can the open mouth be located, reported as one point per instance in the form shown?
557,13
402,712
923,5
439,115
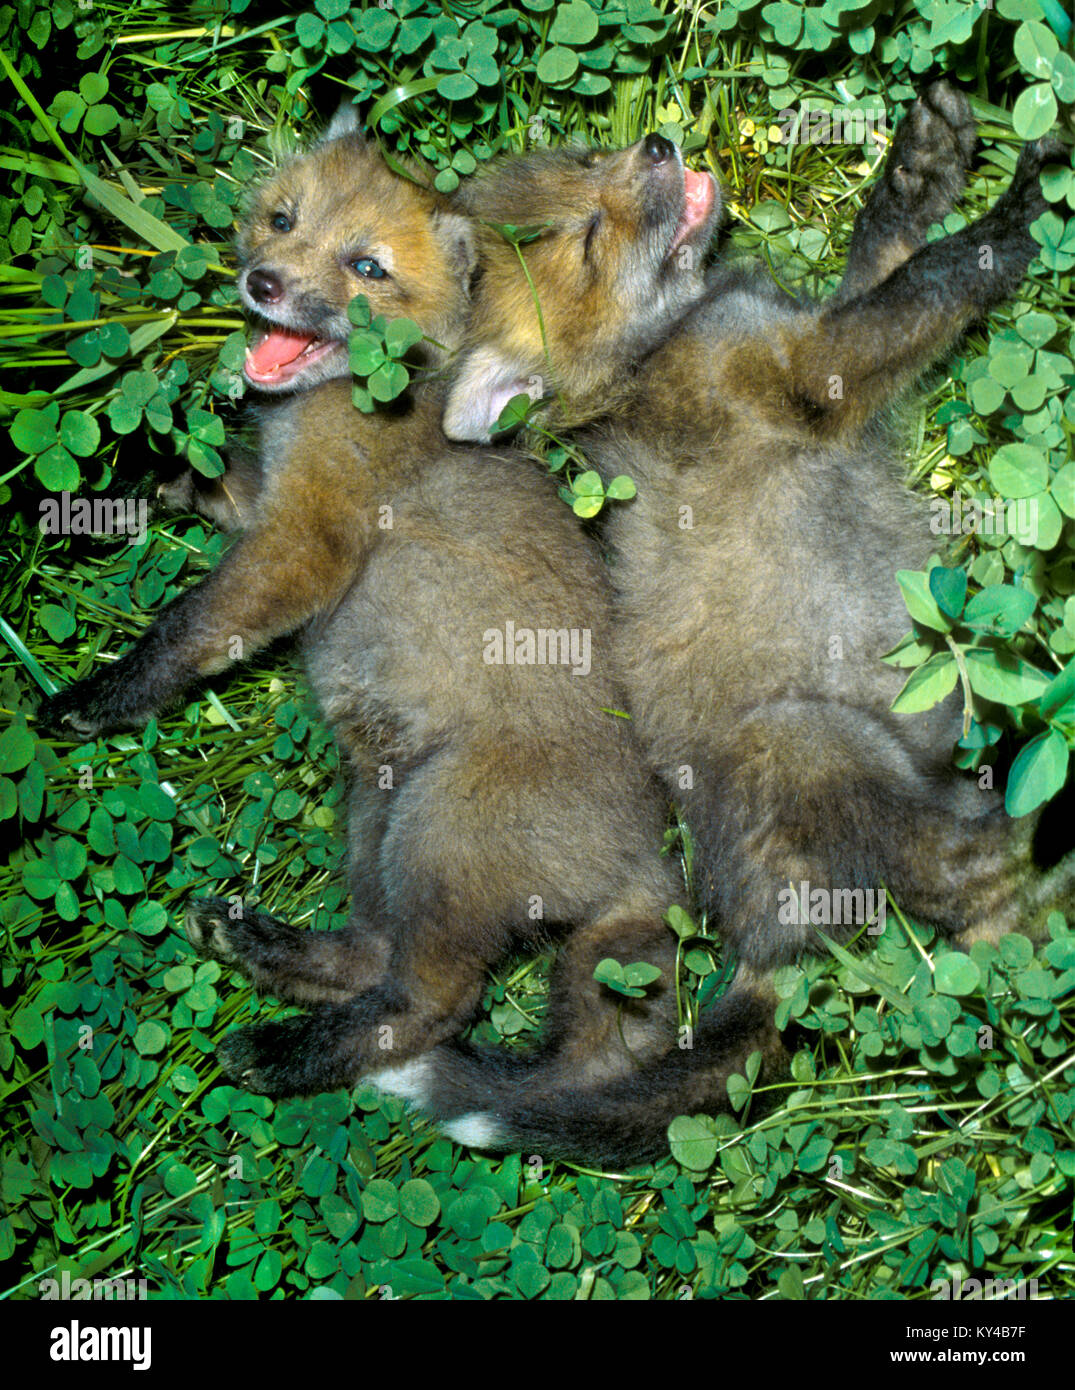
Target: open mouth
699,193
278,355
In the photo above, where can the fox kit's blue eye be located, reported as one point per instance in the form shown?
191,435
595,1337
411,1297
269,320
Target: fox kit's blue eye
281,223
368,269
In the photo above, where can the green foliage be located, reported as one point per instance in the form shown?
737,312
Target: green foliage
935,1180
586,494
628,980
904,1149
973,642
378,349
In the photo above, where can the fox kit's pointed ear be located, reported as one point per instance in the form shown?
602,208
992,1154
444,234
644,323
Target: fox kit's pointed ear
459,241
344,122
484,382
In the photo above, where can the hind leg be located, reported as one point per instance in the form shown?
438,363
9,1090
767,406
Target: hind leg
430,992
300,966
829,799
446,890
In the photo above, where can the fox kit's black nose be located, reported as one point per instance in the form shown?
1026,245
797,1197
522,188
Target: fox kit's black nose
658,149
264,287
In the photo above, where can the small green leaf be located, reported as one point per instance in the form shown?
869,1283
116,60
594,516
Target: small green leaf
949,588
80,433
586,507
1002,677
680,922
928,685
515,413
388,381
34,431
28,1026
641,973
557,65
100,120
1035,48
956,974
909,651
418,1202
1063,77
401,335
1063,489
575,24
16,743
609,972
359,312
621,488
1000,609
457,86
57,469
693,1141
308,29
1058,699
150,1038
179,1179
1037,774
380,1201
1035,111
1036,328
921,604
93,87
1019,470
588,484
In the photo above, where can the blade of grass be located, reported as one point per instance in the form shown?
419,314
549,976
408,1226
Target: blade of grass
151,229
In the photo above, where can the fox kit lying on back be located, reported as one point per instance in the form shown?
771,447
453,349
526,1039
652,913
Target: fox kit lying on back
769,520
457,635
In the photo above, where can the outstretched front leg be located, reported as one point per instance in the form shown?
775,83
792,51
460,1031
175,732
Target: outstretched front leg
846,362
921,182
271,583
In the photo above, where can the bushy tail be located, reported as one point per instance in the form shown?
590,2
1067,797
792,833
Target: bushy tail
553,1104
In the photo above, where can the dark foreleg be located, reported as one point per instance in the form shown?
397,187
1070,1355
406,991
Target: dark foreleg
848,361
269,585
921,182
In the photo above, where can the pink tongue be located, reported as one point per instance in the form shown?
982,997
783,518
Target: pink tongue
276,350
698,190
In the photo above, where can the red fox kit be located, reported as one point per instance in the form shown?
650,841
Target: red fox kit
618,260
752,571
313,237
457,635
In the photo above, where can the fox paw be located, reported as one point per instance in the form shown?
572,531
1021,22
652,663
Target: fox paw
266,1058
206,924
177,494
931,152
1024,191
74,714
